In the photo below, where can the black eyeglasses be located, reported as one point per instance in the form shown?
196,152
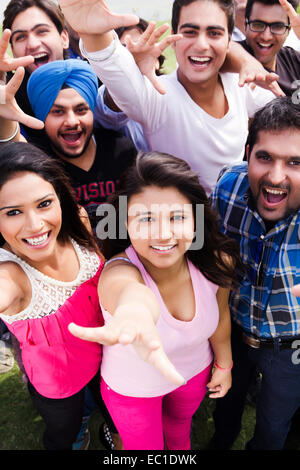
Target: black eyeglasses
259,27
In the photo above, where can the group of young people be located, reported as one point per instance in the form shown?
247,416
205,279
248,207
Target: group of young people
150,321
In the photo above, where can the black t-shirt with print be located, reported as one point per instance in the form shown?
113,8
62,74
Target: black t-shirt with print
114,153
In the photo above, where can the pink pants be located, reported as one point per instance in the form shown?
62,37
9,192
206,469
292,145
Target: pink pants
157,423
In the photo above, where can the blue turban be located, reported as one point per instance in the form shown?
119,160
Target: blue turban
46,82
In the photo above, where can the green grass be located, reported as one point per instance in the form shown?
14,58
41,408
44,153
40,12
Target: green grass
170,61
21,427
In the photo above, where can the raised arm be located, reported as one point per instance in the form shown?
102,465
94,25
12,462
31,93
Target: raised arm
134,311
10,112
94,22
293,16
147,49
250,70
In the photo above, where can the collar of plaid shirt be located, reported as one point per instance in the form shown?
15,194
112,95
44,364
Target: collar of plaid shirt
263,303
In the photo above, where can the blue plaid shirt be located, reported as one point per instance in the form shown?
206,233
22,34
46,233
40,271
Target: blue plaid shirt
263,303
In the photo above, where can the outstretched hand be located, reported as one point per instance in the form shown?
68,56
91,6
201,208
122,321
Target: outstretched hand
9,109
7,63
147,49
263,78
93,17
138,330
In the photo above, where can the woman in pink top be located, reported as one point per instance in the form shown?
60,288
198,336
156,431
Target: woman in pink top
164,297
49,271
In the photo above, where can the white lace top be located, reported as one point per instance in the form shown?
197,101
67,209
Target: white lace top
48,294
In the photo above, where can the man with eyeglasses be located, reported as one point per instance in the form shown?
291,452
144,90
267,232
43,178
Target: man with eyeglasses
267,25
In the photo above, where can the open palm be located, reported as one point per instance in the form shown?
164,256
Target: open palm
141,334
8,63
9,109
93,16
147,49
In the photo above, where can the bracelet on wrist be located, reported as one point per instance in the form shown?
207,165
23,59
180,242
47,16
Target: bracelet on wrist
223,368
12,136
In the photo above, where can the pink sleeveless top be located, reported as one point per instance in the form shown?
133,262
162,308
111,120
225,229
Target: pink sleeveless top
185,343
57,363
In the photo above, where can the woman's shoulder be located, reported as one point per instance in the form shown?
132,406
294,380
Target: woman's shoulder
15,287
11,270
119,265
117,261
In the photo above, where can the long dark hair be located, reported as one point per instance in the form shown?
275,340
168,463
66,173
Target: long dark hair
163,170
19,157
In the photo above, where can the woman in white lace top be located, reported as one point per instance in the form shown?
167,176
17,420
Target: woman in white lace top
49,270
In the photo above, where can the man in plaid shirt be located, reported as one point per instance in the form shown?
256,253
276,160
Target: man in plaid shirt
259,206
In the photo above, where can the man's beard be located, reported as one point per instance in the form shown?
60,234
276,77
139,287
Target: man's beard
60,151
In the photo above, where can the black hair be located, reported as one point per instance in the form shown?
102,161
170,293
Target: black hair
49,7
250,4
279,114
227,6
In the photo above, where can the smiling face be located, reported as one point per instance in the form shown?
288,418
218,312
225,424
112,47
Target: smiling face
202,51
266,45
274,173
33,33
30,216
69,124
160,226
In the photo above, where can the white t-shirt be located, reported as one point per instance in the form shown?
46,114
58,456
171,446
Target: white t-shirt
118,121
174,123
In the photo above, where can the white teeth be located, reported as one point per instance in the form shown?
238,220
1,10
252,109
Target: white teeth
163,248
39,56
274,191
37,240
200,59
264,45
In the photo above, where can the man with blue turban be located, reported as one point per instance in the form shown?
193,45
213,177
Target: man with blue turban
63,95
46,82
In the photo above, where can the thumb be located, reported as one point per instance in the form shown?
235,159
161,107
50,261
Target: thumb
30,121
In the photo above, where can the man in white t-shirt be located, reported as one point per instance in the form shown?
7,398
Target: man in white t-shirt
203,117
